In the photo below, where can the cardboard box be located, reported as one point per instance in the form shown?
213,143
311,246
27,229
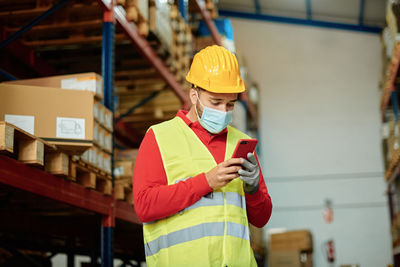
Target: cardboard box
93,156
99,159
96,110
257,236
126,155
108,119
108,142
290,258
284,258
101,114
96,129
89,81
300,240
101,137
61,117
107,163
123,168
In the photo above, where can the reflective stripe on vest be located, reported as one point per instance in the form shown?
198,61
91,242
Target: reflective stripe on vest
196,232
217,199
212,230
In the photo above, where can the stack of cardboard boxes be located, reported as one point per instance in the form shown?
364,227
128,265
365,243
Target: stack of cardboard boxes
291,249
64,110
181,44
391,147
123,173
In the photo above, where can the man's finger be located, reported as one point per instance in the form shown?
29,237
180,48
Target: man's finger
252,158
233,161
248,165
233,169
246,173
229,177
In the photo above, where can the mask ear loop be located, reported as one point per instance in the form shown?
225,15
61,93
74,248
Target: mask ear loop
198,98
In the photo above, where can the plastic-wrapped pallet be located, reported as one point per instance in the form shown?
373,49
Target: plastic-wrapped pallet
163,26
107,142
107,163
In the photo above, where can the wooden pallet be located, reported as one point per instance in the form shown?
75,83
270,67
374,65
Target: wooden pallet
89,177
123,189
393,163
32,150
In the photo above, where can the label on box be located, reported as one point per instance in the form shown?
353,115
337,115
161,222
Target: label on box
71,128
83,84
26,123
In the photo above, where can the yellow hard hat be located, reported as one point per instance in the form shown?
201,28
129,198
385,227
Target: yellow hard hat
216,70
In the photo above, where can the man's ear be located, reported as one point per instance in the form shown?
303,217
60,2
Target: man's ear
193,95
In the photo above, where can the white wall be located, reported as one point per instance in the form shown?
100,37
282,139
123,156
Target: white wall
320,134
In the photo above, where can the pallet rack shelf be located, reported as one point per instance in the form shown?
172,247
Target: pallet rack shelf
391,74
72,212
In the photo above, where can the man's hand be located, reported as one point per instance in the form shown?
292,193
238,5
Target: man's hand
250,174
223,173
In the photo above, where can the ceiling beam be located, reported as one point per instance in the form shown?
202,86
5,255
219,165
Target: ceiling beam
298,21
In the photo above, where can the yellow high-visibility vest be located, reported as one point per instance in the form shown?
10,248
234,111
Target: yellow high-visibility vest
212,232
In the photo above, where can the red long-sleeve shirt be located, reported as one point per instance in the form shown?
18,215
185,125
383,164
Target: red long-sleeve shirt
155,199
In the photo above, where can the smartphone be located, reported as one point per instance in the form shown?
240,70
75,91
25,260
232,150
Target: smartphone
243,147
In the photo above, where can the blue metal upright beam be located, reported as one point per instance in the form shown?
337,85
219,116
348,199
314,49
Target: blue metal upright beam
108,222
107,246
7,75
183,8
108,64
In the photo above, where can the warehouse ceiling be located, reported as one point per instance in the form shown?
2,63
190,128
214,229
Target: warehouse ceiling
355,12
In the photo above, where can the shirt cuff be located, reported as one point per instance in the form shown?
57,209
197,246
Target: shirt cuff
201,185
257,197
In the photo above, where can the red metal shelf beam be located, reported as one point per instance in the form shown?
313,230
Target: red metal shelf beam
21,176
126,212
148,52
36,181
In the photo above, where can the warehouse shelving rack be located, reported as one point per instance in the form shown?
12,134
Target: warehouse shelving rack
389,97
65,215
81,209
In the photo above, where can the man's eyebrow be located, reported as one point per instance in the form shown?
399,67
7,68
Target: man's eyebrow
220,99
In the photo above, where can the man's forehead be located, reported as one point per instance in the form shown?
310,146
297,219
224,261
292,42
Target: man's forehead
219,96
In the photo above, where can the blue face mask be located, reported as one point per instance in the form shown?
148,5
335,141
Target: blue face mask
213,120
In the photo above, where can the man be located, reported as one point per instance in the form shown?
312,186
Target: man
194,199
